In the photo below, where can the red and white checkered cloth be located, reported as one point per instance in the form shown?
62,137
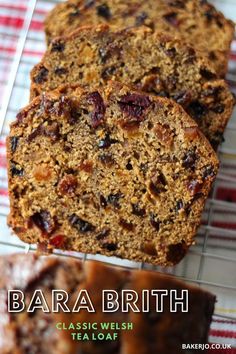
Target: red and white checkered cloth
222,226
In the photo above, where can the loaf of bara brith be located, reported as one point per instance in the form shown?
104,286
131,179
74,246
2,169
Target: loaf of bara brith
195,21
111,171
152,61
151,331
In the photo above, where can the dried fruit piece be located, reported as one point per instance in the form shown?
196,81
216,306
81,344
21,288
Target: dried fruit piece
191,133
104,11
44,221
208,172
106,142
140,19
126,225
68,185
60,71
103,234
103,201
134,105
107,159
136,210
14,140
114,199
176,252
57,241
98,115
15,170
194,187
154,221
189,160
172,18
41,76
197,109
80,224
109,246
86,166
149,248
158,183
57,46
164,134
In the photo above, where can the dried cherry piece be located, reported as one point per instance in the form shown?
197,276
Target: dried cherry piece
57,241
57,46
86,166
16,171
154,222
176,252
194,187
140,19
98,115
14,140
44,221
134,105
41,76
68,185
80,224
114,199
189,160
104,11
106,142
136,210
172,18
197,109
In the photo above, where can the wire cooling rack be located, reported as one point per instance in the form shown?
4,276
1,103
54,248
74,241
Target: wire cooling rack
211,263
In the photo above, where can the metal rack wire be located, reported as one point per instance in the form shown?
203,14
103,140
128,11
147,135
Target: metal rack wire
216,242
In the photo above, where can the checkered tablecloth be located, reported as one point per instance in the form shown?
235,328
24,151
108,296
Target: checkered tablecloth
21,46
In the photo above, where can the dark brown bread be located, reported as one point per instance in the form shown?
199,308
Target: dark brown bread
195,21
153,332
152,61
112,171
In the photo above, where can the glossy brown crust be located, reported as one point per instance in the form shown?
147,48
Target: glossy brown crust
113,171
189,19
152,332
153,62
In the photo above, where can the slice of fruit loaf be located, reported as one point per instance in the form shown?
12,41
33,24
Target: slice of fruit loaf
150,331
116,172
151,61
197,22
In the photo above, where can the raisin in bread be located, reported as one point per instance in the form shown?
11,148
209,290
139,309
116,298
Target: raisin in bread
195,21
111,171
151,61
36,332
